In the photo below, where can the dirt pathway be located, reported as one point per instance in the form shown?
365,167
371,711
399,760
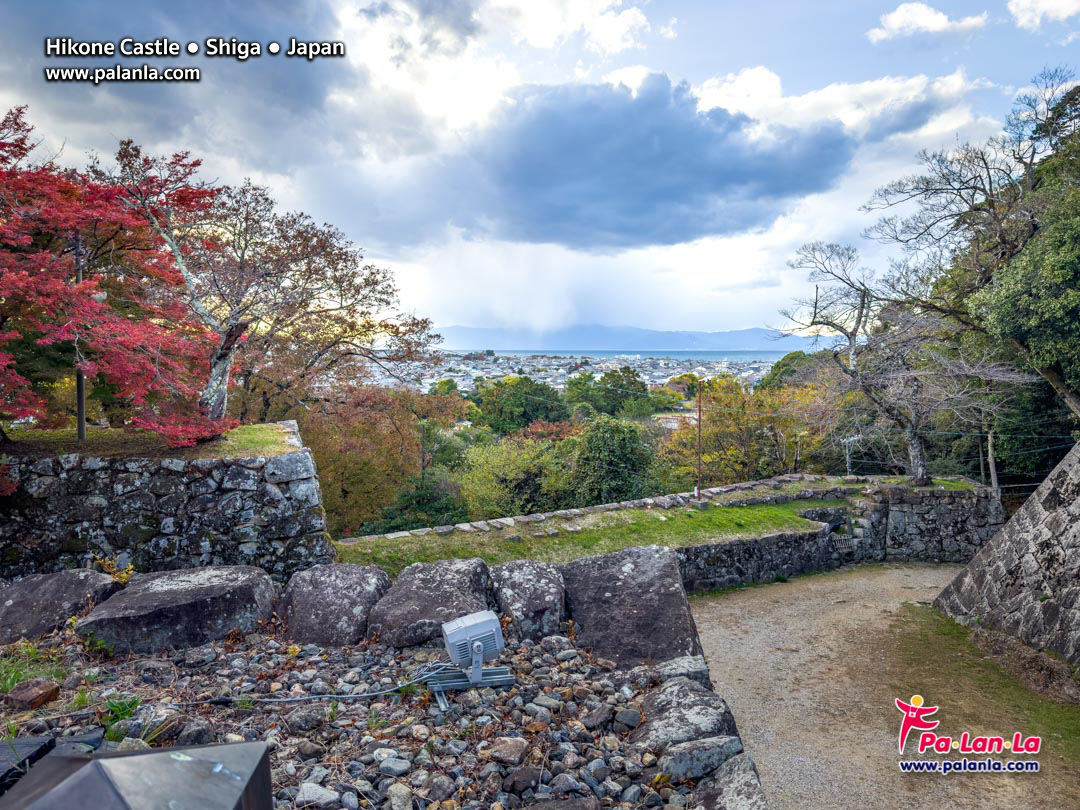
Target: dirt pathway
803,666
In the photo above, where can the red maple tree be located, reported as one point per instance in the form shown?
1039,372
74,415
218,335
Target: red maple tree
124,322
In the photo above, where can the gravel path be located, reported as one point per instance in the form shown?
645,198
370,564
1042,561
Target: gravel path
800,663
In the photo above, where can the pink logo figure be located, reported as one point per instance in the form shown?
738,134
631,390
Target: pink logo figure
915,715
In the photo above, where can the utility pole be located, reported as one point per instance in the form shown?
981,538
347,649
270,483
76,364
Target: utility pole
697,492
80,378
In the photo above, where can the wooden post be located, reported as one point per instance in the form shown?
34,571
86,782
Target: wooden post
698,491
80,378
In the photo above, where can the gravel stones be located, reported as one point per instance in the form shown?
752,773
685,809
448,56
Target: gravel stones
424,596
508,750
532,594
571,804
42,603
306,716
630,606
312,795
394,766
510,747
185,608
330,604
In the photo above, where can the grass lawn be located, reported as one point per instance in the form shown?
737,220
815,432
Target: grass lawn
932,656
246,440
23,661
939,483
600,534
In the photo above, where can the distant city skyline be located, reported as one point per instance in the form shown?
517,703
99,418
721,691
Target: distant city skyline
539,164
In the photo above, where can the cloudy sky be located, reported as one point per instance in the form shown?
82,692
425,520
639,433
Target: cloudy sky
551,162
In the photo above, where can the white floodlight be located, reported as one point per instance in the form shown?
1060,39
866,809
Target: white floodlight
471,640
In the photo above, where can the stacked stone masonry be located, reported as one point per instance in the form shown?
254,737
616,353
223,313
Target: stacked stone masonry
883,522
1026,581
167,513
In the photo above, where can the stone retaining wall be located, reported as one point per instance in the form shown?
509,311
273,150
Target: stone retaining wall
164,513
883,522
1026,581
897,523
760,559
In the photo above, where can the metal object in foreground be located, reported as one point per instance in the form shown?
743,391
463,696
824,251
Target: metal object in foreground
207,777
470,641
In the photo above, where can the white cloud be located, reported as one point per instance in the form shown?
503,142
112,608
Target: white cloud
631,77
613,31
606,26
758,92
1029,14
668,31
454,81
738,281
918,18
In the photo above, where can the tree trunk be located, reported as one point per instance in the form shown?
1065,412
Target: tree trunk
1053,375
992,461
215,397
982,459
920,474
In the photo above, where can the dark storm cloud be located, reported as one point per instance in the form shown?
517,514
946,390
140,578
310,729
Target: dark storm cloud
594,166
267,113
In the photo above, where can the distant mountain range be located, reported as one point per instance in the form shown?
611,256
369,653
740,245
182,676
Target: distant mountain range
618,339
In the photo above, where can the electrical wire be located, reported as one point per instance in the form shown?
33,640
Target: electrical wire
422,675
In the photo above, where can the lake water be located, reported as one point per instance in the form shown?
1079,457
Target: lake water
743,357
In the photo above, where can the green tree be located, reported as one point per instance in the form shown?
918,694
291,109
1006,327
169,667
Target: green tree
582,412
617,386
612,462
788,369
689,381
515,477
444,388
582,389
972,211
430,500
1034,301
513,403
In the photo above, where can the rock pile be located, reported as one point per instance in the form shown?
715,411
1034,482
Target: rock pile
573,729
612,705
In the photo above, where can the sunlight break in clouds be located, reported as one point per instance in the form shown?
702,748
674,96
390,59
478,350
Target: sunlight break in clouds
1029,14
607,27
871,108
918,18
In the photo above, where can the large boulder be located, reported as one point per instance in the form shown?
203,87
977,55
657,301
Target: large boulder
630,606
733,786
41,603
185,608
329,604
424,596
532,594
681,710
691,760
